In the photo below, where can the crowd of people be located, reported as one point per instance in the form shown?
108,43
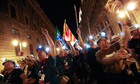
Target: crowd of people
108,62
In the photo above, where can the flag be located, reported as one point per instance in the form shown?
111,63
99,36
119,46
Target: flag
67,34
58,37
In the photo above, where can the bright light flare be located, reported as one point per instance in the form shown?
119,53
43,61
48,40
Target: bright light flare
117,11
63,47
122,33
131,6
47,49
24,44
136,25
39,46
121,15
4,59
57,49
15,42
90,37
103,34
87,46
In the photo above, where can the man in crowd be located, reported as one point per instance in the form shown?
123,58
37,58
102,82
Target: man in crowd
109,57
96,68
134,44
134,48
13,76
46,74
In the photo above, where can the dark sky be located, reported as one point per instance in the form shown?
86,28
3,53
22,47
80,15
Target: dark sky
58,10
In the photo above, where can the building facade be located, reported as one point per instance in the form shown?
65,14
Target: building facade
101,15
22,20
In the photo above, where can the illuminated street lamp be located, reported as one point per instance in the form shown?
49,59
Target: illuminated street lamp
121,14
15,42
131,6
117,11
24,44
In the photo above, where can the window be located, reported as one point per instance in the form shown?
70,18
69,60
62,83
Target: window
32,11
35,27
15,31
107,21
17,49
13,12
31,48
29,36
26,20
37,40
24,3
102,25
112,33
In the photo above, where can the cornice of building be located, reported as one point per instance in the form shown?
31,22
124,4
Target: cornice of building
37,8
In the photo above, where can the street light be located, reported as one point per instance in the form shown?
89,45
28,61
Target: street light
121,14
15,42
117,11
131,6
24,44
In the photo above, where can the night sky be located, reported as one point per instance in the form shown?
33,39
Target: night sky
58,10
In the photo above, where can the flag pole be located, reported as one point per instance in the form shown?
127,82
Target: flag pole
76,16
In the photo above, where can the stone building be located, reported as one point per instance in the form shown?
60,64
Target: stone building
101,15
22,20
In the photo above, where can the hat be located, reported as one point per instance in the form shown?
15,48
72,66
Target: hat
114,36
42,48
12,61
132,28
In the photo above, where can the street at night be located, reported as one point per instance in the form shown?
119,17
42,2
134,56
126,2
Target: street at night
69,42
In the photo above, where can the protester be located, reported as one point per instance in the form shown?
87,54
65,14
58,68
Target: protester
13,76
67,59
134,48
110,57
45,72
96,68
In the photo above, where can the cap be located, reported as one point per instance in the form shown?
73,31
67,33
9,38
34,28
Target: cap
132,28
114,36
42,48
12,61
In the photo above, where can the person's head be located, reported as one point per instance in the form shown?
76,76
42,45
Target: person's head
103,43
41,53
115,38
135,32
91,42
66,51
76,51
75,45
9,64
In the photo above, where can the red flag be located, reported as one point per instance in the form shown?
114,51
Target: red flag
67,34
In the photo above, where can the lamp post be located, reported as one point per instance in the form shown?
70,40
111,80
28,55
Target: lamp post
127,11
16,43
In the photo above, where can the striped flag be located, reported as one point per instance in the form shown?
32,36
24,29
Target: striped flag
58,37
67,34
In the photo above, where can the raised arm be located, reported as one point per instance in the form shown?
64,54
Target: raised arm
60,46
72,48
80,39
126,30
50,42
